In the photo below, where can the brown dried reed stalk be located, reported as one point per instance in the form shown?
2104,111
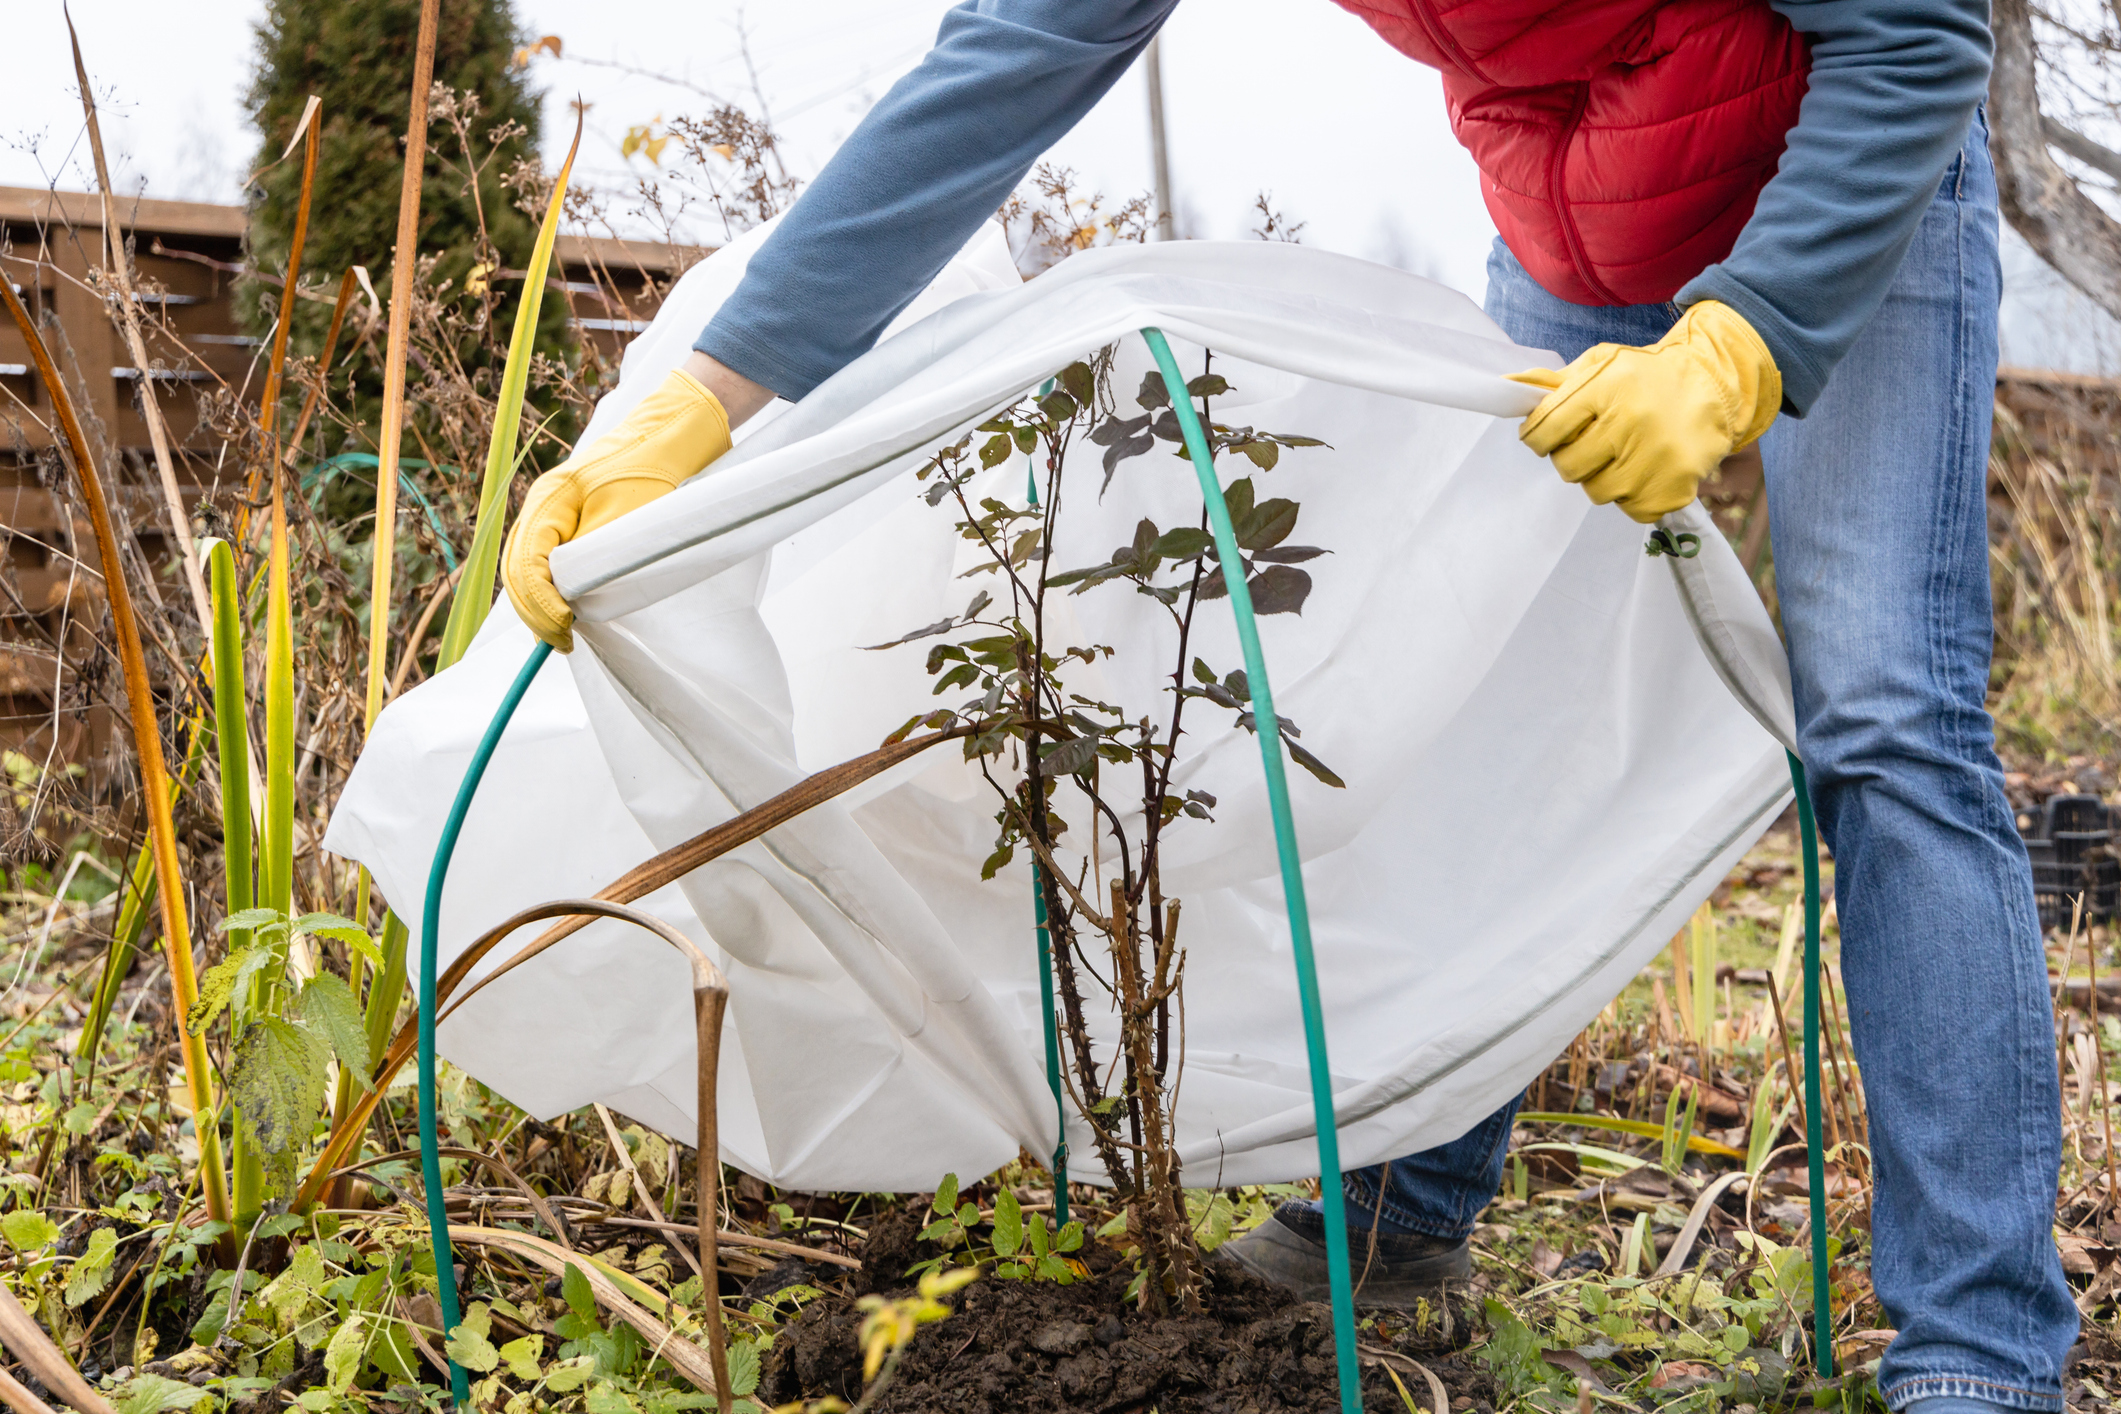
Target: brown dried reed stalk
644,879
154,771
404,258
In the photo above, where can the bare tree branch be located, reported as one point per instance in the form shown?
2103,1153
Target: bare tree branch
2064,226
2098,156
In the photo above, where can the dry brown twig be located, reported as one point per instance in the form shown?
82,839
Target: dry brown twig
119,264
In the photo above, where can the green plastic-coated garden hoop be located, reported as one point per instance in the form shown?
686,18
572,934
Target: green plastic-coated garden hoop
430,923
1814,1149
1268,727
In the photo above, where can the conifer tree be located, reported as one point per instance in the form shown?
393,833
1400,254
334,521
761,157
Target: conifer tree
358,59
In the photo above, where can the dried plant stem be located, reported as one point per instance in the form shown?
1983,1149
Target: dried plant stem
154,772
410,658
404,256
1836,1102
640,1181
331,346
120,267
2106,1110
1789,1063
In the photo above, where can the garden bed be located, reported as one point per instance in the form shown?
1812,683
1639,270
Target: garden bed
1030,1347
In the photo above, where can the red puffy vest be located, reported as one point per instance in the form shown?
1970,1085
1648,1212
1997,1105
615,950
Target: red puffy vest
1621,143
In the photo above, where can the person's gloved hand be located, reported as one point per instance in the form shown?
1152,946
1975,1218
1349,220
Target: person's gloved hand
668,436
1642,426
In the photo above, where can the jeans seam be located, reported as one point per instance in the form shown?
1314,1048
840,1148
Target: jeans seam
1932,1385
1946,574
2027,1143
1961,722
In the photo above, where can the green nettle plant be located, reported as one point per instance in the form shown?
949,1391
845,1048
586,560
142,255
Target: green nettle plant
1020,1246
288,1016
1030,733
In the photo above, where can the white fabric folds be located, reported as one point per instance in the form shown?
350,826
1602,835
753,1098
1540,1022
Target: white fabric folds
1549,740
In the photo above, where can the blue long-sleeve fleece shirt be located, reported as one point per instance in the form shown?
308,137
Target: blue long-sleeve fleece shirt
1894,84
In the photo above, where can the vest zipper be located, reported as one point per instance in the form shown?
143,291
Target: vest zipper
1440,36
1557,193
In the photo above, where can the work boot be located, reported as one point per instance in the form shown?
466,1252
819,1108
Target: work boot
1289,1250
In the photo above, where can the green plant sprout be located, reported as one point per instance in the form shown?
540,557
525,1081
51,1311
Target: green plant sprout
1019,1246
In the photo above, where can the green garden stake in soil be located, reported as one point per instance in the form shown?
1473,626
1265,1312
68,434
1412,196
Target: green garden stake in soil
1045,967
1053,1056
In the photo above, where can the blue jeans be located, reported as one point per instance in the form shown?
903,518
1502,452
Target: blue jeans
1877,504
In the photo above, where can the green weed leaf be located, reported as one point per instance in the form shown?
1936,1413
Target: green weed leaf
330,1011
342,1355
521,1356
90,1272
343,930
153,1394
1008,1224
570,1375
28,1230
392,1352
276,1076
228,977
743,1367
468,1345
576,1291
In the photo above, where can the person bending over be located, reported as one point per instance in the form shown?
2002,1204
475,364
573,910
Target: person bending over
1742,221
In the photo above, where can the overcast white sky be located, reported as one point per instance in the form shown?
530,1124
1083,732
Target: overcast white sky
1295,97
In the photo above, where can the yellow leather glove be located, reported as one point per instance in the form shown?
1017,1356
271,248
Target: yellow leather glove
668,436
1642,426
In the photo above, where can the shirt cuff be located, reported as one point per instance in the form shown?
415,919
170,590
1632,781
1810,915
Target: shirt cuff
736,349
1803,374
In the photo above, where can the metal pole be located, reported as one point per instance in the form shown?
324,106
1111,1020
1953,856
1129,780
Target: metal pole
1159,151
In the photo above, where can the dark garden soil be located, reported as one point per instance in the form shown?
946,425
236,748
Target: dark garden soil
1031,1347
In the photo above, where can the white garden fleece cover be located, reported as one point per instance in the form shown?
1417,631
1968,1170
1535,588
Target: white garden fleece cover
1554,744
